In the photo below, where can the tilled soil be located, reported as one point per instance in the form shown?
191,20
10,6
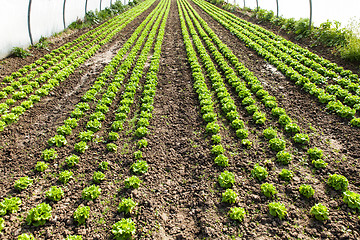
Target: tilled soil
179,197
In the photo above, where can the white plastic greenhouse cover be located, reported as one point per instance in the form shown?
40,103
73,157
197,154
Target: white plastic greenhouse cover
322,10
46,18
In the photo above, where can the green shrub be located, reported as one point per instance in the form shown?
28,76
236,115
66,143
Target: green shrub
19,52
81,214
306,190
277,209
39,215
320,212
268,190
237,213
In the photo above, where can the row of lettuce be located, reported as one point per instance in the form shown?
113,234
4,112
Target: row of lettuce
113,77
339,89
22,89
257,103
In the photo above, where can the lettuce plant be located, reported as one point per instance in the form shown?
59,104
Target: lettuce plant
65,176
320,212
138,154
242,133
41,166
111,147
132,182
93,125
2,225
81,214
268,190
259,172
39,215
237,213
113,136
9,205
270,133
301,138
86,136
57,140
142,143
81,147
74,237
284,119
292,128
141,132
283,157
139,167
23,183
212,128
123,229
26,236
91,193
54,193
306,190
221,160
226,179
338,182
126,205
72,160
98,177
286,174
64,130
277,144
352,199
277,209
103,166
319,163
315,153
229,196
217,150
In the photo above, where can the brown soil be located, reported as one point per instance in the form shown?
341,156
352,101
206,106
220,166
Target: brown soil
179,197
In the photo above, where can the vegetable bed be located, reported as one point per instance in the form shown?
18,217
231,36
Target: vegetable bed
179,120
